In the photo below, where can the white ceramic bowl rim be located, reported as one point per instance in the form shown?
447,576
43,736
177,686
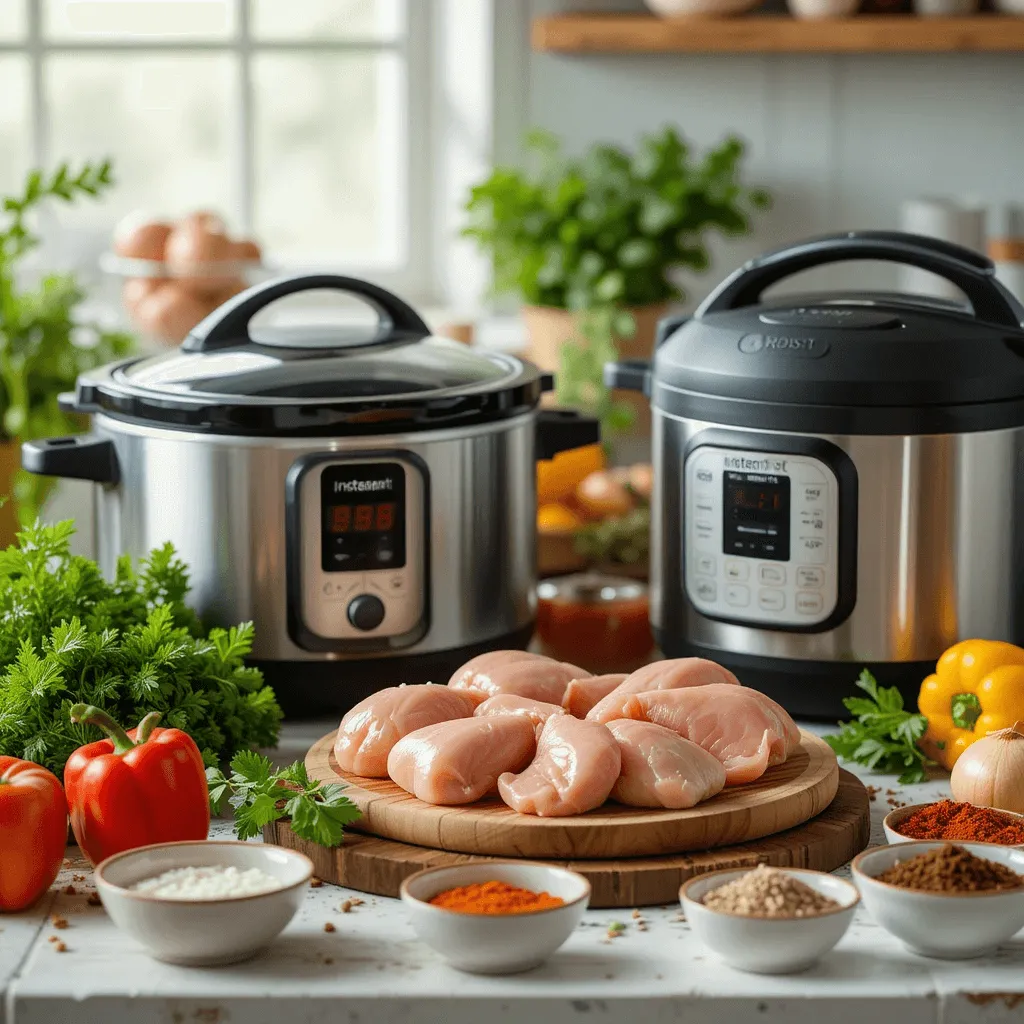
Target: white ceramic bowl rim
432,908
202,843
854,894
855,867
905,812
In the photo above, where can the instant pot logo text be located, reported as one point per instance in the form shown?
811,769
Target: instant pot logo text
361,486
760,465
808,348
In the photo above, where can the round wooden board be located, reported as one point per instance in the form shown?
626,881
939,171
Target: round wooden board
379,866
785,796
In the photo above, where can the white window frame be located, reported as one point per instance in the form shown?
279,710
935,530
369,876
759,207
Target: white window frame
412,273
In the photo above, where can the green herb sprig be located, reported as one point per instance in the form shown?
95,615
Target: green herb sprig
883,736
129,646
318,811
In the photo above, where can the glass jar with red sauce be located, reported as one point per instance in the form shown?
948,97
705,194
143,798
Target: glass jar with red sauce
597,622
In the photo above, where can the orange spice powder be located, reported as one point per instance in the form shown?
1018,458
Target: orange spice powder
495,898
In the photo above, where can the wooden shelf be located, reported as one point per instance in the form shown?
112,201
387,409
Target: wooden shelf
627,33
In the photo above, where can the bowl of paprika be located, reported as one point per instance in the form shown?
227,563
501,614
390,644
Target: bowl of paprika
498,917
954,821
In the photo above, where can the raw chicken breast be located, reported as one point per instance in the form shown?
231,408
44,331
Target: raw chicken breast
582,694
661,769
511,704
459,762
482,664
747,731
660,675
534,676
576,766
369,731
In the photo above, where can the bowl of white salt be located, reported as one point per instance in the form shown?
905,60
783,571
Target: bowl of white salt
769,920
203,903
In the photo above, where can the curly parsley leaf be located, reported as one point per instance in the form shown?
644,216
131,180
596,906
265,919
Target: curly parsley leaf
259,795
883,735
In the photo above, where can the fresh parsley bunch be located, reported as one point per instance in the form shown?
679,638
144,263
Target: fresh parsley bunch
128,646
884,735
259,795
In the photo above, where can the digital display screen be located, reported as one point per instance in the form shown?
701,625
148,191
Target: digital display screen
756,515
362,514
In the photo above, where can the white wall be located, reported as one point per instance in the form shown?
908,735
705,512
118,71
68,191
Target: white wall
840,141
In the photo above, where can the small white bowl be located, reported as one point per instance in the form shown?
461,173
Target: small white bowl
891,823
769,945
495,944
949,926
201,933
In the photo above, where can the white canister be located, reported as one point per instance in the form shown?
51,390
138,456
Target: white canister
949,221
945,8
821,9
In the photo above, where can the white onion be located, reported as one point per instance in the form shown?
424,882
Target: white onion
990,772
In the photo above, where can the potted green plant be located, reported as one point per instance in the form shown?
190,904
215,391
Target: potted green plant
592,245
43,346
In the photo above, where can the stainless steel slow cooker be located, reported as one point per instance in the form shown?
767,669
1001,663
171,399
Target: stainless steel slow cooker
838,477
365,496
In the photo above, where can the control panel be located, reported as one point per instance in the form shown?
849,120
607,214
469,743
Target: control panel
362,537
761,536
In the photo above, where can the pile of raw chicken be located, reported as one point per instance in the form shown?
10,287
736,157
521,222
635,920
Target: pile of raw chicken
555,740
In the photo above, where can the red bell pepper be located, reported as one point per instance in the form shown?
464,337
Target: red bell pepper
33,831
136,788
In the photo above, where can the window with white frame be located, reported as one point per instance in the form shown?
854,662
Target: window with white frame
300,120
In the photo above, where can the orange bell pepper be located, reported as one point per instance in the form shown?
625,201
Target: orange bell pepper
977,688
136,788
33,831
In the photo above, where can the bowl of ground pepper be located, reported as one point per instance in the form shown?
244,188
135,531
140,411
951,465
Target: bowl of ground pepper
951,901
769,920
954,821
498,917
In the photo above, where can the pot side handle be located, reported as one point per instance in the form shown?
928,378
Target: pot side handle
76,457
228,325
629,375
559,430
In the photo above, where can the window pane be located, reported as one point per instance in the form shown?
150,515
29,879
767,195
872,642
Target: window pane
167,122
12,19
126,19
15,143
331,19
330,156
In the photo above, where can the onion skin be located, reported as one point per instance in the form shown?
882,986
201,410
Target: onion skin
990,772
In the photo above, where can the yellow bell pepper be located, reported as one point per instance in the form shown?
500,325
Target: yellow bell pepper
977,687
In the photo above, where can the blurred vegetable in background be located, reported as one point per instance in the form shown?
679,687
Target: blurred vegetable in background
43,346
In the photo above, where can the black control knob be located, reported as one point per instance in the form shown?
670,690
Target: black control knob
366,612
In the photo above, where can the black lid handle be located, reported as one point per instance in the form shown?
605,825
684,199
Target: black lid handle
228,325
971,272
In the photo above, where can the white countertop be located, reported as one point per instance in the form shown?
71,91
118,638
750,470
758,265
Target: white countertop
372,969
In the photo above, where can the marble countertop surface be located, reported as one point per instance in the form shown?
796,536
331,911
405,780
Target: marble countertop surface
372,969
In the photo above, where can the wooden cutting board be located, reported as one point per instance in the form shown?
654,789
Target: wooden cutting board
785,796
379,866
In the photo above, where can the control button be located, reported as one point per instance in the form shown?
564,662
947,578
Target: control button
366,612
738,596
813,493
704,476
771,600
706,591
736,570
706,565
809,603
808,577
774,575
812,549
704,504
393,585
704,528
812,519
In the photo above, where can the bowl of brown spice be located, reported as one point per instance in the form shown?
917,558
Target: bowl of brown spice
769,920
954,822
951,901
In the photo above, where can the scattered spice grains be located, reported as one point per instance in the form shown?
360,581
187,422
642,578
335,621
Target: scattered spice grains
950,819
616,930
60,947
70,890
94,900
768,892
951,869
315,883
495,898
328,927
873,792
59,922
346,907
